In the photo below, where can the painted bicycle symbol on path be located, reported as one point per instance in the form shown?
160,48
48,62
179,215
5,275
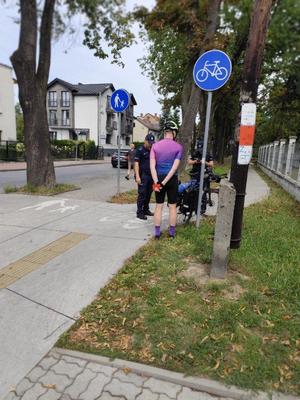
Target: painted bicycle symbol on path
212,69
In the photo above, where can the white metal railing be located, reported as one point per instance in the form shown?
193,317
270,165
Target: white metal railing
282,158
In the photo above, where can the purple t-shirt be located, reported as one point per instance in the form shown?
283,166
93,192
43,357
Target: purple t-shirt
165,152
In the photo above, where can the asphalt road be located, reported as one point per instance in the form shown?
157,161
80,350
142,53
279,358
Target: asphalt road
97,182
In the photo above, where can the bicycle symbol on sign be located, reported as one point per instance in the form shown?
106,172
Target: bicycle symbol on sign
213,70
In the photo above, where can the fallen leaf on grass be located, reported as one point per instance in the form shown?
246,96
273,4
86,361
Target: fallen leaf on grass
178,291
269,324
217,365
164,357
204,339
236,348
286,317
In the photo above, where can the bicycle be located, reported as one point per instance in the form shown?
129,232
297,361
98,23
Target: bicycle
213,69
188,198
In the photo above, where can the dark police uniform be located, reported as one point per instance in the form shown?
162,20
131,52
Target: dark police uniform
195,174
142,156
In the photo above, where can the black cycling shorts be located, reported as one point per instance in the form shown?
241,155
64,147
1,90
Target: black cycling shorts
171,188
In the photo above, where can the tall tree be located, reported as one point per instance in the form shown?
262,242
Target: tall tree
191,93
31,62
248,94
178,33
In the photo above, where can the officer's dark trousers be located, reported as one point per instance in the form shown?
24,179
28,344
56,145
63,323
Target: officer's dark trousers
144,194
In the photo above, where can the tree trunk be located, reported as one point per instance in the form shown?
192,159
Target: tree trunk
195,95
248,94
32,82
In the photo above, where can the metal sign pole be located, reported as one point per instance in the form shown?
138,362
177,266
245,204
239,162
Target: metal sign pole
207,120
119,151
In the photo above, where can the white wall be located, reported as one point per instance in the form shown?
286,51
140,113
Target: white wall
139,131
86,115
7,106
103,120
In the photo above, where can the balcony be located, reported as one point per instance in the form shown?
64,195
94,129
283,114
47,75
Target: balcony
65,122
109,109
53,122
65,103
109,128
52,103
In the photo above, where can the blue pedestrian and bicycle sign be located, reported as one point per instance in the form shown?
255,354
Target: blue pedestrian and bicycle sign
120,100
212,70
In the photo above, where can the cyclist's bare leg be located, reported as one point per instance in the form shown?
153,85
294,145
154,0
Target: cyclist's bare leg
158,214
172,214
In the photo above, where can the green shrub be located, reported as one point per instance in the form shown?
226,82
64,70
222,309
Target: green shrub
138,144
90,150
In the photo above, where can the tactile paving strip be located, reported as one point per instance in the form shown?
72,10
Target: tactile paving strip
16,270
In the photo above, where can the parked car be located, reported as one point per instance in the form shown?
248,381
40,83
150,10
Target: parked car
123,159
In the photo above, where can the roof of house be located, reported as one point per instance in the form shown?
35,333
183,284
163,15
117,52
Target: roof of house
87,89
5,65
82,88
150,121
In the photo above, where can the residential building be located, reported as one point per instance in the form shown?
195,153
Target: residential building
83,112
7,104
144,124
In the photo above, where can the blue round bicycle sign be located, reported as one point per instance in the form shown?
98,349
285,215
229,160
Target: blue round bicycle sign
119,100
212,70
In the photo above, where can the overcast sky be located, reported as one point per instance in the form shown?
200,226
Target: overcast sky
73,62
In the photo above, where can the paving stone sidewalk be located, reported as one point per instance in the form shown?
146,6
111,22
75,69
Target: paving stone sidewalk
63,377
71,375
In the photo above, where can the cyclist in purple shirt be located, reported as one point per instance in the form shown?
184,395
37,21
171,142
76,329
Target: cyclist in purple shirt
165,158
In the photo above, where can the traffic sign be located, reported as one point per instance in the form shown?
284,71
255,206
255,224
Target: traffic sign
212,70
120,100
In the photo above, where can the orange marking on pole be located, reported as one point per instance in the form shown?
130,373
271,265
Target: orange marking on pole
247,135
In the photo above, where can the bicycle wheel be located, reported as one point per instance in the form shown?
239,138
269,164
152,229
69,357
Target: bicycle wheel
221,74
202,75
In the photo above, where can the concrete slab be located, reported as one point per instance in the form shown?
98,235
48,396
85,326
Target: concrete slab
117,222
39,210
11,202
28,331
9,232
18,247
257,189
69,282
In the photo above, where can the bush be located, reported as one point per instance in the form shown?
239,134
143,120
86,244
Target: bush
138,144
90,150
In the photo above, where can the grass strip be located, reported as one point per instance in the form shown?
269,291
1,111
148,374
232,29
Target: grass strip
243,330
41,190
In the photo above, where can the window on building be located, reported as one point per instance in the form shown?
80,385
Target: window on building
53,117
65,99
128,141
53,135
52,99
108,139
65,117
108,105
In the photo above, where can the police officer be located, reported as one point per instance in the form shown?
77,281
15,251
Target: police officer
196,163
143,177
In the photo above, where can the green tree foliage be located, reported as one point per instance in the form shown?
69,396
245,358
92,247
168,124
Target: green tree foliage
19,123
174,34
279,100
